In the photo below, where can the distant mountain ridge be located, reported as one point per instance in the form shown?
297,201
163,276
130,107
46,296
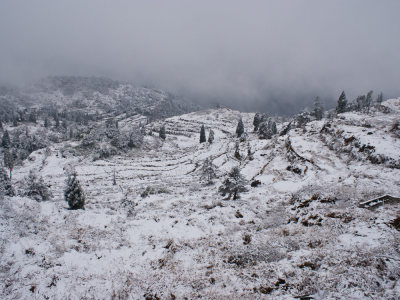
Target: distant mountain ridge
98,95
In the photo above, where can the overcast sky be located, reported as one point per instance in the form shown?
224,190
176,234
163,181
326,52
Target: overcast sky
268,55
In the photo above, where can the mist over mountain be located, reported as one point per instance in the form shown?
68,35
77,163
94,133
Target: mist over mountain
272,56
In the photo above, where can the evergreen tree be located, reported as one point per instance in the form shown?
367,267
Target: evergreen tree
114,178
211,136
208,171
234,184
249,152
360,102
32,117
5,141
379,99
5,184
73,193
46,123
36,188
368,100
273,127
8,160
256,121
162,133
202,134
1,125
342,103
240,128
267,129
318,110
237,151
57,124
302,119
86,119
286,129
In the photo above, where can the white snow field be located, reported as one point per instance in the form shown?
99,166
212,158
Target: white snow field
299,234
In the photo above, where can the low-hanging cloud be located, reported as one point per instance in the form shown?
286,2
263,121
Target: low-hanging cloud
253,55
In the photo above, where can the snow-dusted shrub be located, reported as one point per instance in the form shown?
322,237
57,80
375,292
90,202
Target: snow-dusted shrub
104,150
148,191
396,128
120,140
136,138
153,191
251,255
36,188
25,142
73,193
88,139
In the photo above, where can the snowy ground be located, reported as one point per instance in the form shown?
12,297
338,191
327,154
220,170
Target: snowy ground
294,235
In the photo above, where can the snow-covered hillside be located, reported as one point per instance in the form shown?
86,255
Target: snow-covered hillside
162,233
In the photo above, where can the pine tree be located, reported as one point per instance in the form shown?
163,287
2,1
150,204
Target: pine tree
234,184
273,127
318,110
5,184
211,136
256,121
1,125
46,123
240,128
114,178
73,193
162,133
267,129
86,119
368,100
8,160
5,142
379,99
360,102
202,134
36,188
342,103
237,151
